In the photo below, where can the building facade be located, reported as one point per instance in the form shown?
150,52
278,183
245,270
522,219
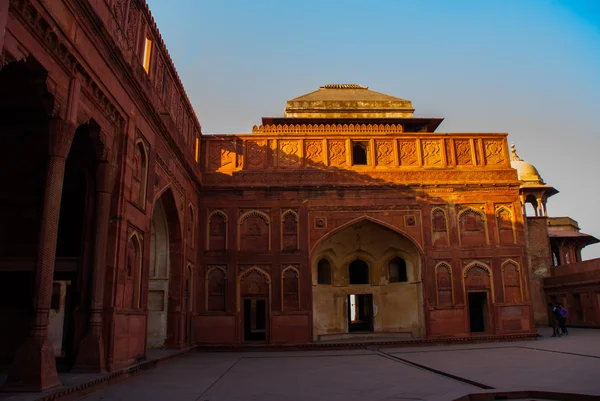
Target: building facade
126,229
350,215
100,155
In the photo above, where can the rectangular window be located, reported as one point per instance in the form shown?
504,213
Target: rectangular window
197,150
147,54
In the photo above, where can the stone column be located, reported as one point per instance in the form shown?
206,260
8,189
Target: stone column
34,366
91,357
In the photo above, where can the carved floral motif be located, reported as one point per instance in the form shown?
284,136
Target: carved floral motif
255,153
385,153
432,153
463,152
289,155
221,154
313,152
494,152
408,153
337,153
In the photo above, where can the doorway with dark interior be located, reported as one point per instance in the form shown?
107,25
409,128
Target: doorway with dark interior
255,320
478,312
360,313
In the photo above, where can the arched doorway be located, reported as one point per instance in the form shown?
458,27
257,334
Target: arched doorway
165,274
25,116
25,105
72,272
372,274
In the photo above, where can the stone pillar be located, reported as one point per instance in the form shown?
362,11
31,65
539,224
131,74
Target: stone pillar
91,357
34,366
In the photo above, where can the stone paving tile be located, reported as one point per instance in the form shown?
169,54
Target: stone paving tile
517,368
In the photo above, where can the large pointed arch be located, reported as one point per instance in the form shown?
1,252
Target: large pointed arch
166,203
372,220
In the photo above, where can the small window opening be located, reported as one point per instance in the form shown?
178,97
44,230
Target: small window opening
359,272
359,154
147,54
398,271
197,151
163,90
324,272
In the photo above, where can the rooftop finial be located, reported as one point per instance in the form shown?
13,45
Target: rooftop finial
514,156
344,86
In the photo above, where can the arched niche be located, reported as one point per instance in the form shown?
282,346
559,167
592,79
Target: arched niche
216,231
166,286
472,227
439,227
390,309
254,231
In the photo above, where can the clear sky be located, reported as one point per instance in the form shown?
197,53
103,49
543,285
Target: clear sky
526,67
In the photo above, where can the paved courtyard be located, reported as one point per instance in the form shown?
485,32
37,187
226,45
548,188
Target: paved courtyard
567,364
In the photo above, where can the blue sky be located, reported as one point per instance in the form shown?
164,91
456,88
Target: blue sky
529,68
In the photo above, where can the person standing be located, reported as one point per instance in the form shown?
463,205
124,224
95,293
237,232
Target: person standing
562,318
554,320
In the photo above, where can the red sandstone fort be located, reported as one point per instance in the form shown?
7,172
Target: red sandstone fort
124,228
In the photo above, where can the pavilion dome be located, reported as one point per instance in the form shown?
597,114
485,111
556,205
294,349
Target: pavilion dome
527,172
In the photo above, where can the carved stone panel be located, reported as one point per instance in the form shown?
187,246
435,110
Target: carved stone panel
439,227
254,283
254,233
477,278
289,153
462,149
505,226
432,153
221,154
385,152
255,155
313,152
217,232
216,290
289,231
444,284
511,277
337,153
408,153
494,152
472,228
290,301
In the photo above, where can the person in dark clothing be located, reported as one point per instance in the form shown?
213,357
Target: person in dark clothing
562,318
554,320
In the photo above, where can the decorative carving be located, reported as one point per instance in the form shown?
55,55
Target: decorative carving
216,288
463,152
505,225
255,153
511,277
337,153
439,225
471,220
320,223
290,300
385,153
289,230
477,276
221,154
438,220
432,152
217,231
253,231
443,273
289,155
408,153
494,152
327,128
255,281
313,152
410,221
132,25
